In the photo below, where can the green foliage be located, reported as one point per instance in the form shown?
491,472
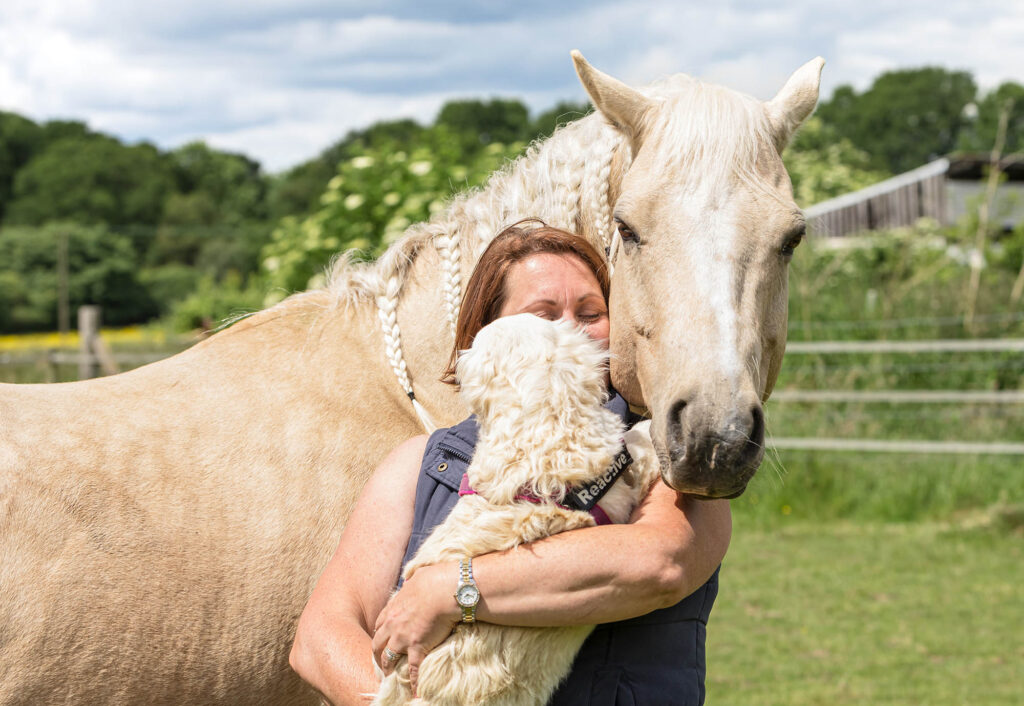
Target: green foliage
918,272
298,191
980,134
101,267
564,112
92,179
479,122
906,118
214,188
214,302
169,284
19,140
476,123
373,198
823,165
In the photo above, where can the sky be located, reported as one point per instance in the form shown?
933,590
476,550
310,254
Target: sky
280,80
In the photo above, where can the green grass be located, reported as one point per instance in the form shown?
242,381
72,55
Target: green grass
878,487
841,613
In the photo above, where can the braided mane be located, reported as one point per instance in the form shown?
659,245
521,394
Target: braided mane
562,180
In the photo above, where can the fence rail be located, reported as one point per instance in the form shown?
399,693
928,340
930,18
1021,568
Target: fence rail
907,397
898,446
952,345
903,396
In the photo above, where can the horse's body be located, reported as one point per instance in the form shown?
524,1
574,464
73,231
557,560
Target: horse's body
160,530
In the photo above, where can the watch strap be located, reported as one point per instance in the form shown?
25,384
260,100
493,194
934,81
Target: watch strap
466,579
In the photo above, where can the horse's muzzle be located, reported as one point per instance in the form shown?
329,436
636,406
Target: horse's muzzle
713,460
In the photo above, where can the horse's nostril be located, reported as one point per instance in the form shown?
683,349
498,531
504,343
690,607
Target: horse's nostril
757,429
675,419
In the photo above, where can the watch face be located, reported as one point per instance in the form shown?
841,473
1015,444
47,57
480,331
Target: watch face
467,596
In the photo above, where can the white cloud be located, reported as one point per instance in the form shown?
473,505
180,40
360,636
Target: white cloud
281,80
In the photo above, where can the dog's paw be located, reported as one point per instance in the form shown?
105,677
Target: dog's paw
645,469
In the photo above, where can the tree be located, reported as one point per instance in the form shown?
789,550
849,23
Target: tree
91,179
480,123
297,191
906,118
980,134
102,270
20,138
214,187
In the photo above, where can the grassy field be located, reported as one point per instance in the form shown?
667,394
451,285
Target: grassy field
871,613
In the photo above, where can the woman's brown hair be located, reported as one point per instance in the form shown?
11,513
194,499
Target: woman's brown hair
485,292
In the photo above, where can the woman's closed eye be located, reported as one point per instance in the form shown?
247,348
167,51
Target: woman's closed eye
549,314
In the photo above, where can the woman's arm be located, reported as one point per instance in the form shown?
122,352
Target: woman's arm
608,573
593,575
332,649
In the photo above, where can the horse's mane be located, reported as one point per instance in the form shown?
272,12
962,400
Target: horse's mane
564,179
550,180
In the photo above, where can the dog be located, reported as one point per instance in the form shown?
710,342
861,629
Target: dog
537,389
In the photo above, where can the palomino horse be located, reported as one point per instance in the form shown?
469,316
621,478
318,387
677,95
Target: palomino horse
160,530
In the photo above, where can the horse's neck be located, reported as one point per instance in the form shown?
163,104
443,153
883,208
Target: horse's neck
568,181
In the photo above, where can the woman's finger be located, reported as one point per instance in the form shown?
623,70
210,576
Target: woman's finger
415,656
379,642
382,616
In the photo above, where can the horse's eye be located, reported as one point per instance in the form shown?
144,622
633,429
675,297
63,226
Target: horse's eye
791,242
626,233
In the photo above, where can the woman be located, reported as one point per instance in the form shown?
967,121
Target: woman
653,580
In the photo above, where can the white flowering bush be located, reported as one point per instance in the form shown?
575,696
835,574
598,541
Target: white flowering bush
372,199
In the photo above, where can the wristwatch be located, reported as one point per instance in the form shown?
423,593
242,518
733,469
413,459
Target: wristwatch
467,594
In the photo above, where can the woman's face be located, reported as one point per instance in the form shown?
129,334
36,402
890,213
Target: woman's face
557,287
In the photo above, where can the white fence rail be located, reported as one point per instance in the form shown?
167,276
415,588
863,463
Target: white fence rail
908,397
952,345
903,396
897,446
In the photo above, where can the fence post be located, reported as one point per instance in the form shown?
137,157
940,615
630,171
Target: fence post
88,330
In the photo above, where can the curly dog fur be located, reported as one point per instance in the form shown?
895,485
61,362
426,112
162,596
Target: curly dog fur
537,389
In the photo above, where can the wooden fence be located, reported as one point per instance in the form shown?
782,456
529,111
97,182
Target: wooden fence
895,202
96,355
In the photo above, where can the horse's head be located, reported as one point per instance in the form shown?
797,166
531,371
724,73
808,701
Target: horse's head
707,225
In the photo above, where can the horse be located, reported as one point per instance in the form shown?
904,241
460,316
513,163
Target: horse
161,529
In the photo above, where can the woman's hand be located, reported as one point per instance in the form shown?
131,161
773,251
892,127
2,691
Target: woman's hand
418,618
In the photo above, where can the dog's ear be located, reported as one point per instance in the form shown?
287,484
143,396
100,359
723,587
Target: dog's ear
490,373
578,369
474,369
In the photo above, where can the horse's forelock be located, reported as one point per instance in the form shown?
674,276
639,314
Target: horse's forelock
707,130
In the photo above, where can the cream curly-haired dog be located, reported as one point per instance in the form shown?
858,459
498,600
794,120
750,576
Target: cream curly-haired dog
537,389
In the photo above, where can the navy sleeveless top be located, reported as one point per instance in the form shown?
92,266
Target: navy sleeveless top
652,660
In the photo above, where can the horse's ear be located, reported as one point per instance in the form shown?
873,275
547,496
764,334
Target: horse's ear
622,105
791,106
